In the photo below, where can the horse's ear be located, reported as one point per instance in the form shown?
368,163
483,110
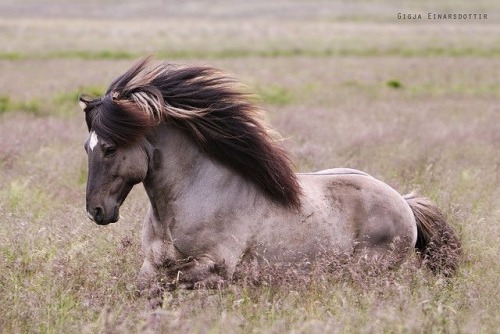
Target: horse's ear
83,101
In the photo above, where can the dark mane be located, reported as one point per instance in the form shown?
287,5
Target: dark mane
210,107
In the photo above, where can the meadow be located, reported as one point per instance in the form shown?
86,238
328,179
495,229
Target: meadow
414,103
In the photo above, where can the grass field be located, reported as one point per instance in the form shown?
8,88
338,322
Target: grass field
415,103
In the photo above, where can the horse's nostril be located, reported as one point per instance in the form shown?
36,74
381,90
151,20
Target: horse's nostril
98,215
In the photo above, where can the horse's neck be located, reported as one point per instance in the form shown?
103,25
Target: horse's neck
175,158
182,175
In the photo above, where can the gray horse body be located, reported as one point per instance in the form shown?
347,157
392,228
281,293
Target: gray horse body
202,210
222,191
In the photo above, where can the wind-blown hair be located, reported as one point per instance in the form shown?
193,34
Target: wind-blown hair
210,107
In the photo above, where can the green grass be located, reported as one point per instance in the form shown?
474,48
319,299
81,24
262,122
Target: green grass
12,56
62,104
342,51
396,84
275,95
4,104
33,106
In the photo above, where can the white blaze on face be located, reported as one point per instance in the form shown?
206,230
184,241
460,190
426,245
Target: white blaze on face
93,140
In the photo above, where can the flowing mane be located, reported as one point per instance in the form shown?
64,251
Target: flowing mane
210,107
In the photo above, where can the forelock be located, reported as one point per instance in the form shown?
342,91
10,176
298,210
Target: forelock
117,121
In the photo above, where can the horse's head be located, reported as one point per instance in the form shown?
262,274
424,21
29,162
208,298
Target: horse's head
114,167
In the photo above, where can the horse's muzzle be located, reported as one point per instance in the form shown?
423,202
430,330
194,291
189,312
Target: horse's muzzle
99,216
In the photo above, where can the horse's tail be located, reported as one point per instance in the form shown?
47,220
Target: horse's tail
437,242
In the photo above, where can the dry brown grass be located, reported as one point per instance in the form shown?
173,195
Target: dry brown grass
437,133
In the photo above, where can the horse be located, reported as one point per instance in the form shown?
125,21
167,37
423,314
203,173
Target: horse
223,191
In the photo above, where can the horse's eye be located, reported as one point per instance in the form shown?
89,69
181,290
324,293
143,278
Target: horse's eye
110,150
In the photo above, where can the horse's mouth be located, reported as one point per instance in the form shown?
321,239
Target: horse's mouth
100,217
116,214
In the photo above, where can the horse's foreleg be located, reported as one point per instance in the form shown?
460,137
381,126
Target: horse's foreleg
152,281
148,284
196,273
148,276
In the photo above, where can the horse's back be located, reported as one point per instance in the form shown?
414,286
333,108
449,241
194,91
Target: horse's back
337,171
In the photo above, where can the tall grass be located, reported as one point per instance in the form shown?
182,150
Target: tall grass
62,273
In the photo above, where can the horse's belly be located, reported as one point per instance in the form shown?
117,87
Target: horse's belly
321,226
304,242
